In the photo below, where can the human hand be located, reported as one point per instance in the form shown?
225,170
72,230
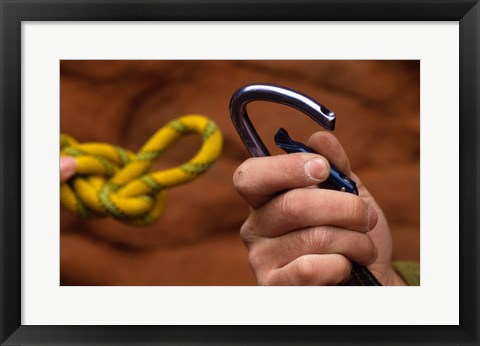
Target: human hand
68,166
299,235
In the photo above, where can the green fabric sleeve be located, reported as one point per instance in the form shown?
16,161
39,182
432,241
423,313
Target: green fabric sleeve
409,271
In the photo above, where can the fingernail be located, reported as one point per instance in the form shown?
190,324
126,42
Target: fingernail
67,165
372,217
317,169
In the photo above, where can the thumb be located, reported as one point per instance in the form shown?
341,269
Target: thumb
327,145
68,166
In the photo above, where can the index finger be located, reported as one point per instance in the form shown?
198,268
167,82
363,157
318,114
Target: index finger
258,179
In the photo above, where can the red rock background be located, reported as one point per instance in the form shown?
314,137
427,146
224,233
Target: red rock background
196,242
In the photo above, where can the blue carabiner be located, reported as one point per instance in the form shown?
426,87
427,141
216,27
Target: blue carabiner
255,146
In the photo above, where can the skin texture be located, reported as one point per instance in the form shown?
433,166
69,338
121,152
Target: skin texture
68,165
299,234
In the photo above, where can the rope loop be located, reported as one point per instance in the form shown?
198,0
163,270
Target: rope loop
112,181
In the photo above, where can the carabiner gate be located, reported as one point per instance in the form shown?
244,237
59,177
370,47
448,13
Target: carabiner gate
272,93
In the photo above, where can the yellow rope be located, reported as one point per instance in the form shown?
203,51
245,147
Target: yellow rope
113,181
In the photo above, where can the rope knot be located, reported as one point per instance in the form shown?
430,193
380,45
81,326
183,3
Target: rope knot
112,181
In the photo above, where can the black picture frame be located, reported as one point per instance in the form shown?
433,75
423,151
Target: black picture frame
466,12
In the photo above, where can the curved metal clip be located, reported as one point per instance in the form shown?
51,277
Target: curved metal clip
255,146
316,111
265,92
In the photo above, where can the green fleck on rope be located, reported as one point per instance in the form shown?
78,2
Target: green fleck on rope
210,128
73,151
122,155
152,183
110,168
138,198
179,127
148,155
192,168
104,197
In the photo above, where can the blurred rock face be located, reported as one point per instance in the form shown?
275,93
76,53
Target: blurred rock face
196,242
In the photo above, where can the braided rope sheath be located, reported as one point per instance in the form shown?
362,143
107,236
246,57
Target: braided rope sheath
361,276
111,181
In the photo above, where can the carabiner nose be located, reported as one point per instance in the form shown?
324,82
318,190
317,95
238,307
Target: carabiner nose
272,93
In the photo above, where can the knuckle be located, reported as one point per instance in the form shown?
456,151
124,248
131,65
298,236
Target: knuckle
247,234
310,238
370,252
344,269
340,269
297,163
290,208
305,269
325,236
357,246
356,211
317,238
258,255
351,208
